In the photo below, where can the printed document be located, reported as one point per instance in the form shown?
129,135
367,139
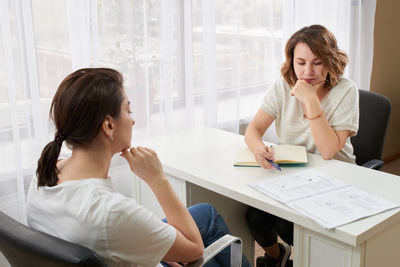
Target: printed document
327,201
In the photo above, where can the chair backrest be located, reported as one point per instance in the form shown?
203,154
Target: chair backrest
374,118
24,246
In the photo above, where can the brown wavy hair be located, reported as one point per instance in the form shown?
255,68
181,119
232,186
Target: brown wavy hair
79,107
323,44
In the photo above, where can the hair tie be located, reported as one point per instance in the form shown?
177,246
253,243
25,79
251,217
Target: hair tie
59,137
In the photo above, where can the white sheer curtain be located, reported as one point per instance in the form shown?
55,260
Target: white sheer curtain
23,128
185,63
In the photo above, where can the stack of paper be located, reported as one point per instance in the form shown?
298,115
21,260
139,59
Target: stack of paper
327,201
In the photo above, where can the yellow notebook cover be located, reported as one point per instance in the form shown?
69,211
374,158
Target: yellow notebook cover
284,155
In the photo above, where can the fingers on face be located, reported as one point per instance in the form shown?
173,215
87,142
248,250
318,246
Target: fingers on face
130,153
151,151
300,83
127,154
132,150
139,152
147,151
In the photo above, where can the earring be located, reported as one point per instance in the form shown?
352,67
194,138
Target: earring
111,136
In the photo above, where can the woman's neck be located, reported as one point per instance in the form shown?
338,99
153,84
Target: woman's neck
85,162
322,92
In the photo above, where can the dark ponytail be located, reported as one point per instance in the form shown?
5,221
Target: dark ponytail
47,171
79,107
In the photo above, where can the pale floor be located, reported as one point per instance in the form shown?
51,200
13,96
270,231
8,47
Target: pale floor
392,167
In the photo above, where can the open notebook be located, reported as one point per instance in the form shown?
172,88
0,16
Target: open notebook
284,155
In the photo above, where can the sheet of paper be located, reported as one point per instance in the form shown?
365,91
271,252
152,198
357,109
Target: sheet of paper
326,200
287,188
338,207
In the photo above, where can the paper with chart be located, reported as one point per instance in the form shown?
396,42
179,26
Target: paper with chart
326,200
287,188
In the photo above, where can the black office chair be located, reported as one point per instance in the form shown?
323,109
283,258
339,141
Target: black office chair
374,118
23,246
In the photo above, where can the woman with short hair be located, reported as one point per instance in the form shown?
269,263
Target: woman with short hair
312,105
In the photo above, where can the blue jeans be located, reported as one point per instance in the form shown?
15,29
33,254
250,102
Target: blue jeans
212,227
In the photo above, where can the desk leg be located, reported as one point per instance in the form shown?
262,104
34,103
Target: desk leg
231,210
314,250
142,194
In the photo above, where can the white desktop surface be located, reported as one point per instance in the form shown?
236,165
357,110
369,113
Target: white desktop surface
204,156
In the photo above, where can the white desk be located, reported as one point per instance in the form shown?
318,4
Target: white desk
200,160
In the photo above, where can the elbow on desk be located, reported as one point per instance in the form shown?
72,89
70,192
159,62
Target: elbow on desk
327,155
328,152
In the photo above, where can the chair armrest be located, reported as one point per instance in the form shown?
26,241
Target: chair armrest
212,250
375,164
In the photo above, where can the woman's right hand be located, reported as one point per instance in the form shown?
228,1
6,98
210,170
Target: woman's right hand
144,163
263,153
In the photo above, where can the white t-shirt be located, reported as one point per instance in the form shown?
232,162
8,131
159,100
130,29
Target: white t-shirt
91,213
340,107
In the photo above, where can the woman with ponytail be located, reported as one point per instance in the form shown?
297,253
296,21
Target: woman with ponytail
74,199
